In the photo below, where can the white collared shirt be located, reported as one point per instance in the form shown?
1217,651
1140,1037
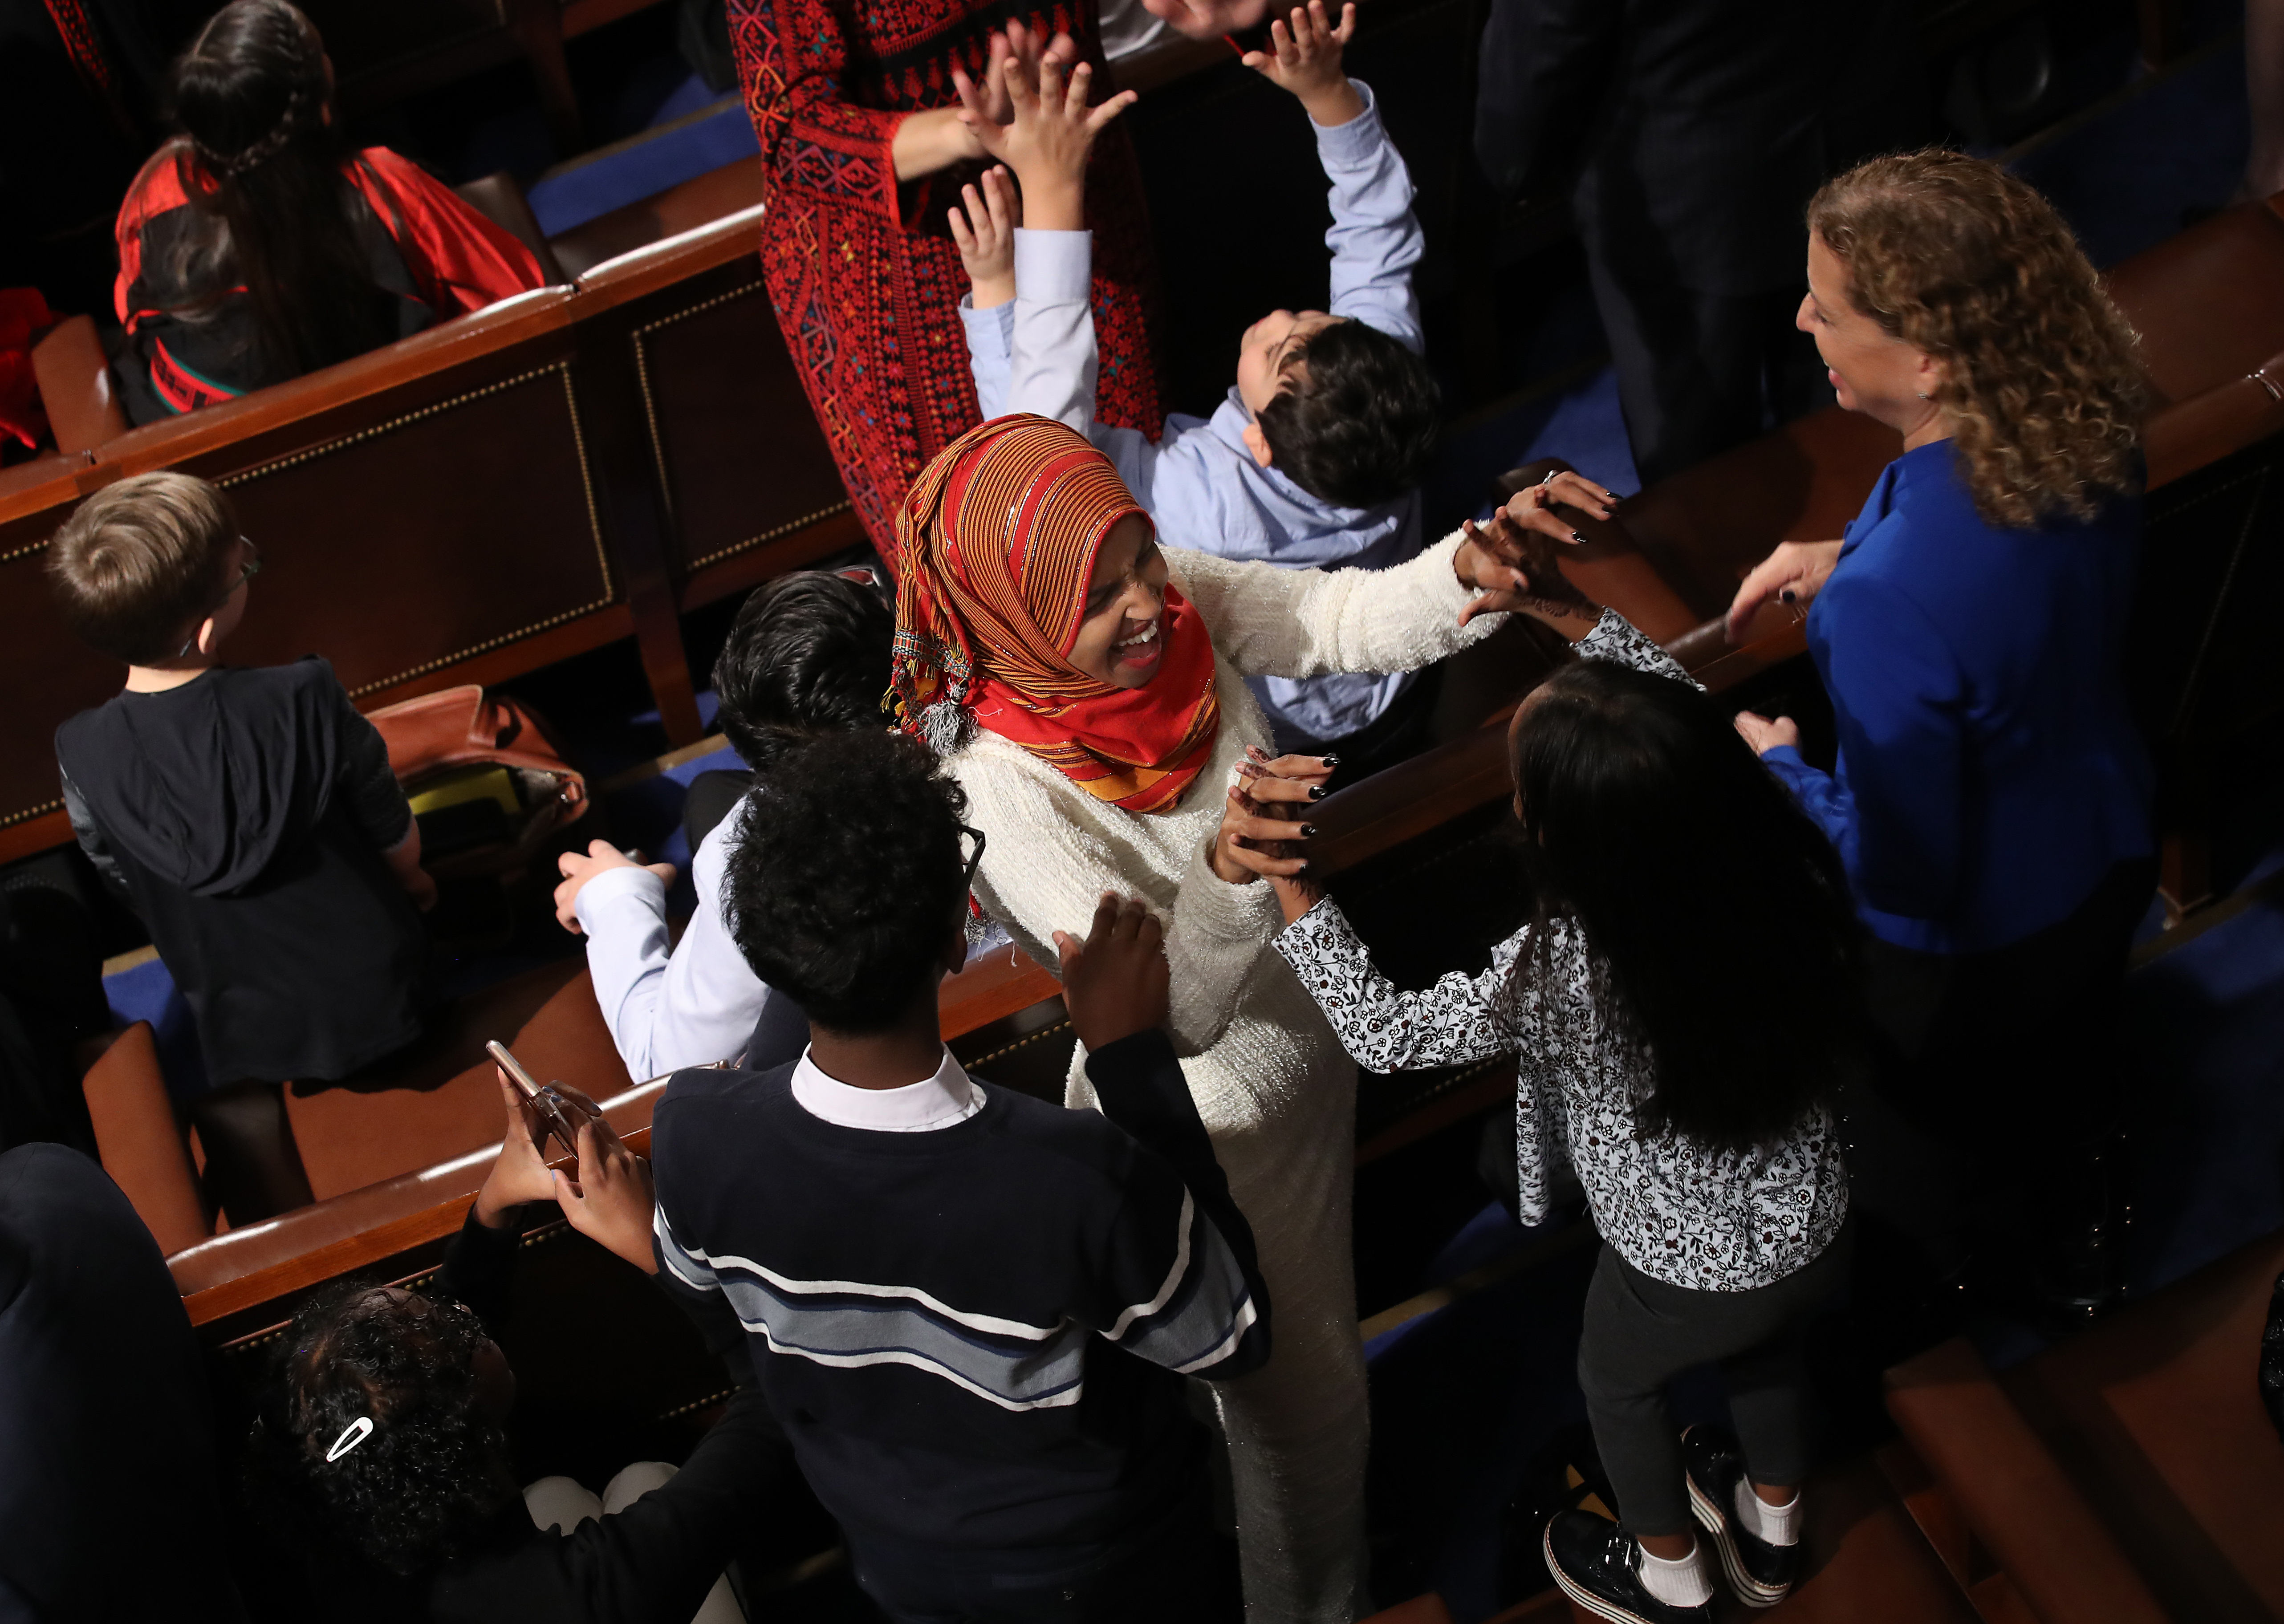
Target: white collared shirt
939,1101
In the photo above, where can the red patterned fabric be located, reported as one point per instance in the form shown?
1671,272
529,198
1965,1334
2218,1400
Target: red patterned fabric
995,548
863,273
22,313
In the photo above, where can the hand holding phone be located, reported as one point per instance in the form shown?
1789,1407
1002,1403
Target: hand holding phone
551,1115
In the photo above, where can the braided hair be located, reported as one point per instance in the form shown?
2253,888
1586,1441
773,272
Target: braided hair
371,1438
262,165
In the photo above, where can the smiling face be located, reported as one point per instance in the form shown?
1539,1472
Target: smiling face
1882,376
1121,640
1262,352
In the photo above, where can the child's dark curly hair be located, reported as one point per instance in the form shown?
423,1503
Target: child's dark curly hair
412,1495
844,884
1356,418
809,653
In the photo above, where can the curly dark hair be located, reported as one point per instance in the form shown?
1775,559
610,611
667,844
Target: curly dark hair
2042,378
844,884
413,1493
809,653
1704,887
1356,418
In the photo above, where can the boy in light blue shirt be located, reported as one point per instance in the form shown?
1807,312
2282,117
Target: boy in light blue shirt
1314,459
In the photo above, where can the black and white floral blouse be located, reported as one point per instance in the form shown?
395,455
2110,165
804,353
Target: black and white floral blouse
1681,1211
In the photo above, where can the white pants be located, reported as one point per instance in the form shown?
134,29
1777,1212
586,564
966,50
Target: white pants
559,1504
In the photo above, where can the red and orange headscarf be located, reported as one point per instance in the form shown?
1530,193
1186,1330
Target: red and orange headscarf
995,544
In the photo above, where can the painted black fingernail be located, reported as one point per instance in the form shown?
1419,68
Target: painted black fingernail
1789,596
1316,792
1307,830
1330,760
1578,538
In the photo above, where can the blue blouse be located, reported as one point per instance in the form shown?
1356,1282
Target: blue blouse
1988,774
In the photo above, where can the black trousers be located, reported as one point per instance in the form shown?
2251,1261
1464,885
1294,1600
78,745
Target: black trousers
1641,1333
1179,1569
1997,1096
1700,372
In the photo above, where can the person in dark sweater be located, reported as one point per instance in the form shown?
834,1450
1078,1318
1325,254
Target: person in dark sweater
381,1462
248,816
110,1503
972,1310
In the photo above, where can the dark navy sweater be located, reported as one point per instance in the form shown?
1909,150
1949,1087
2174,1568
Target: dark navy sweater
974,1336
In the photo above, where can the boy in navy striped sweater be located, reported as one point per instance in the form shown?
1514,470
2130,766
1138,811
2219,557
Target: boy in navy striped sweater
971,1311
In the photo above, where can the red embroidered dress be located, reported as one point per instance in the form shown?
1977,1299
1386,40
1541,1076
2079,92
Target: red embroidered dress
862,272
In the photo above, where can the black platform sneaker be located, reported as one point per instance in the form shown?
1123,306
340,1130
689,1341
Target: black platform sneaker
1760,1573
1598,1565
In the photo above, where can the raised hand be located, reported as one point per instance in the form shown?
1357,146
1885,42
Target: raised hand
1115,983
1792,575
985,101
984,225
1304,58
1047,140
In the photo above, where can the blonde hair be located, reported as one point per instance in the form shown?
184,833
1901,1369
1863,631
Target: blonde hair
2042,379
139,561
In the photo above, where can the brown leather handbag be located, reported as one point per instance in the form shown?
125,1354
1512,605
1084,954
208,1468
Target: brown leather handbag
451,737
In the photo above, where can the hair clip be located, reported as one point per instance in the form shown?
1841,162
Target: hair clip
355,1433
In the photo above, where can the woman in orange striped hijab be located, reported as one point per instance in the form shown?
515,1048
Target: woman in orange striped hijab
998,542
1088,691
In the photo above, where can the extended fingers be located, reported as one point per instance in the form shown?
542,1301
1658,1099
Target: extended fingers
1110,110
1346,32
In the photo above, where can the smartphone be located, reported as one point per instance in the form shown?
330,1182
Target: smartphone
547,1105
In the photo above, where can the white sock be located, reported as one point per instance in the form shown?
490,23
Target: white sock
1771,1525
1684,1583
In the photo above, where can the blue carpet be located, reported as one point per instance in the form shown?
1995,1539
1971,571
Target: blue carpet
579,194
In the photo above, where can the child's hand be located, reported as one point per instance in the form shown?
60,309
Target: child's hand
1261,832
1115,983
1305,59
984,107
1047,140
985,228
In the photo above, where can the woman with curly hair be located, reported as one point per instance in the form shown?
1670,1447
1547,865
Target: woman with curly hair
1991,796
381,1461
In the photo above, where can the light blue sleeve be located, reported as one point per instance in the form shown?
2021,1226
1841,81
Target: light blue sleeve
1053,362
1376,240
990,351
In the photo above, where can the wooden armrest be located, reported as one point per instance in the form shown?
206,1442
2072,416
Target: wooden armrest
2023,1508
74,380
265,1261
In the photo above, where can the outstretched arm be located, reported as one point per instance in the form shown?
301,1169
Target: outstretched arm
1462,1017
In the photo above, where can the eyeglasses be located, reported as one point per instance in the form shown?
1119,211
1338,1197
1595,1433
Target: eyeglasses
246,572
972,857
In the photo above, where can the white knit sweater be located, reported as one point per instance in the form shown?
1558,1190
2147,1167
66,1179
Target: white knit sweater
1275,1089
1054,848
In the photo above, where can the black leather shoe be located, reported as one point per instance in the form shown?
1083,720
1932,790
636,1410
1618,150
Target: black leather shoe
1597,1564
1759,1573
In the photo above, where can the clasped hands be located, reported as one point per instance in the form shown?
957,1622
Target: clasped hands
1513,563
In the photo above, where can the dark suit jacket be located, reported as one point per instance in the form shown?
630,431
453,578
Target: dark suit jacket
109,1501
1696,129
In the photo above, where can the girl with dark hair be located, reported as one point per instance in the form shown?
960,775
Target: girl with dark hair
1675,881
380,1459
256,245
